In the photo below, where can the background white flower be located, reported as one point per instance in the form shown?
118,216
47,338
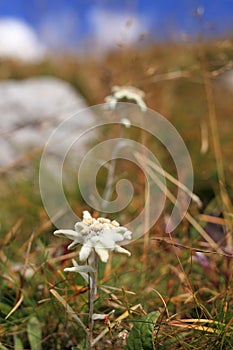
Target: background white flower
129,93
99,234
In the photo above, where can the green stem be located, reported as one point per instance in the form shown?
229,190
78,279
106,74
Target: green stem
108,190
92,295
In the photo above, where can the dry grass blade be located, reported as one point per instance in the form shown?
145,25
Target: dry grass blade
163,301
203,233
195,327
171,197
204,138
212,219
169,177
21,297
28,253
21,160
197,324
63,257
171,75
68,308
106,288
16,306
120,318
226,201
11,233
47,225
192,249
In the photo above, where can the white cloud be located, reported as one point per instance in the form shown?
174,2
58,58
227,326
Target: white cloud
113,29
19,41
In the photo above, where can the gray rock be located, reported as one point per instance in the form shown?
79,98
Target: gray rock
31,109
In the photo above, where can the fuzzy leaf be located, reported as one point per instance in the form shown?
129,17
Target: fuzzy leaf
141,336
34,333
18,343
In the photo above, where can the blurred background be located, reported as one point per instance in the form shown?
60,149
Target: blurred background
97,27
59,57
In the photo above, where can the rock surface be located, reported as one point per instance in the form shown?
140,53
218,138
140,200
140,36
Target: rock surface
31,109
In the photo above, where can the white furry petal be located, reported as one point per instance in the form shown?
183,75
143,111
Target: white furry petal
103,254
85,252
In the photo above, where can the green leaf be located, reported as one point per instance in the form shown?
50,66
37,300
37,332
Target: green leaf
2,347
5,308
81,346
17,343
34,333
141,336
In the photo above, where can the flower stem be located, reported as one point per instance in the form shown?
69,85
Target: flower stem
108,190
92,295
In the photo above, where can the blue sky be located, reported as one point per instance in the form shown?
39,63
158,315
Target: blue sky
69,23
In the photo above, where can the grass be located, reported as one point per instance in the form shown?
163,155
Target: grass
182,276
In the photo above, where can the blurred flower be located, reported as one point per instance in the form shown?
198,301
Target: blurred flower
202,259
128,93
126,122
99,234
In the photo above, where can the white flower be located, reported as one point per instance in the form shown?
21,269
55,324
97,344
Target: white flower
129,93
126,122
99,234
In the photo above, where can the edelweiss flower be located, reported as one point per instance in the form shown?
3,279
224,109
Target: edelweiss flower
129,93
99,234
